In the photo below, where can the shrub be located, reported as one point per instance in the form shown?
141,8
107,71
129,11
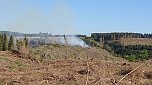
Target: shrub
132,58
106,47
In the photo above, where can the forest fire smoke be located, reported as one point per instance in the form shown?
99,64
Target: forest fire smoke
71,40
74,41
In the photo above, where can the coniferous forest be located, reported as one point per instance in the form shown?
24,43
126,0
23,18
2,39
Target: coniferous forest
117,36
132,53
4,44
7,43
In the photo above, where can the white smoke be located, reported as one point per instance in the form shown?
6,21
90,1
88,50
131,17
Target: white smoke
71,40
75,41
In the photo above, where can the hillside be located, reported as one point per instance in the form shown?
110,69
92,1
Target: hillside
136,41
68,65
131,46
61,52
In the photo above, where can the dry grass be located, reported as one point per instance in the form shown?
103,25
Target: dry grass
135,41
60,52
87,65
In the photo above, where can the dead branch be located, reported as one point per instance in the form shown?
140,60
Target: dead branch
98,81
87,68
131,72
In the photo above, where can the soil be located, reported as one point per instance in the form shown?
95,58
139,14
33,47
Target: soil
15,70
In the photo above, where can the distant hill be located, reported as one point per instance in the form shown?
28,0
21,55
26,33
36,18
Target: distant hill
9,33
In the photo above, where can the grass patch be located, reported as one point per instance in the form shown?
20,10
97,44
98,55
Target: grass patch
17,64
4,58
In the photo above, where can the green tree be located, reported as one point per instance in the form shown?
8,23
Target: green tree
106,47
11,43
5,43
17,44
132,58
20,44
144,54
26,41
1,42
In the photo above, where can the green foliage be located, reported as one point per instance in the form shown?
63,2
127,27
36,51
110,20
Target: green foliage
106,47
11,44
91,42
132,58
17,64
5,43
144,54
19,44
22,47
26,41
133,52
1,41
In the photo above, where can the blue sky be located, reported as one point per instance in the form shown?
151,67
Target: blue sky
76,16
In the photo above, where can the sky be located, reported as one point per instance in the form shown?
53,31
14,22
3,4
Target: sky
76,16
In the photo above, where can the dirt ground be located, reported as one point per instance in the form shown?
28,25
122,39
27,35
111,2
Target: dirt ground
15,70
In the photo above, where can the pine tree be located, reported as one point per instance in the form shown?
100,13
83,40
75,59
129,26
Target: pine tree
1,42
21,47
26,42
11,43
17,44
5,42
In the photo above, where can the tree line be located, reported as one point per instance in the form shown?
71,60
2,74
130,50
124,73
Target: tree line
117,36
130,52
8,44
